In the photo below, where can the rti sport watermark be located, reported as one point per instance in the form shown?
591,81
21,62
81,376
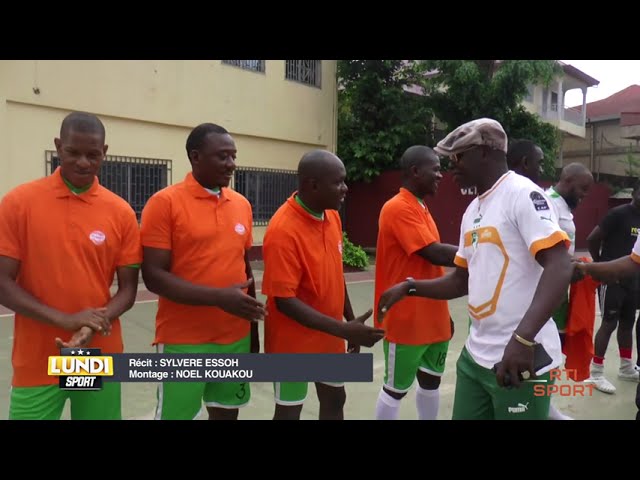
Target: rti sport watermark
546,388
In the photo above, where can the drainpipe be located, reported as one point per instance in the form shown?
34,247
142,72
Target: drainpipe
600,155
592,147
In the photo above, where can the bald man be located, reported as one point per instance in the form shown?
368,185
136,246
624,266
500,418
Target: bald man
417,330
574,184
63,238
525,158
304,283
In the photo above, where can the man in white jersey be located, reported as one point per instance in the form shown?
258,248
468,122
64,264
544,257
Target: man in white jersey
612,271
574,184
512,261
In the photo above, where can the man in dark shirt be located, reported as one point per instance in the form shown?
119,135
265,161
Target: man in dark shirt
612,239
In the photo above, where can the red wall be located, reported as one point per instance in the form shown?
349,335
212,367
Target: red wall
363,204
365,200
590,212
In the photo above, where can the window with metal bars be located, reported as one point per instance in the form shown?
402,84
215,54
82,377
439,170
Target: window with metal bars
266,189
253,65
134,179
304,71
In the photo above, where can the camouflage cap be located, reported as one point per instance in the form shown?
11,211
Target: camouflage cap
483,131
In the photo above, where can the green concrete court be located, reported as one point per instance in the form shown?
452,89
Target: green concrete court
139,398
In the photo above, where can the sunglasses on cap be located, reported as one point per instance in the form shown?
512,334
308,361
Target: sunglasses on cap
455,157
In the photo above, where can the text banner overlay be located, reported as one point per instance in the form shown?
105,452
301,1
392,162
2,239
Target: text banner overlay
158,367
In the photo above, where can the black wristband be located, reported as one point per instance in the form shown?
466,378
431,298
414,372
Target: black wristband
412,286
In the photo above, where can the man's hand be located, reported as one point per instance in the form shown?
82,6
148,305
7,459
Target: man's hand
390,297
580,270
233,300
516,360
81,338
577,275
357,333
352,348
94,318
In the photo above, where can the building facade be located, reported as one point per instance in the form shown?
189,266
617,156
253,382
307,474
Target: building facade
611,147
275,109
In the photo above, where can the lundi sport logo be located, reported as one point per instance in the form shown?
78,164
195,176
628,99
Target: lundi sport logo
80,368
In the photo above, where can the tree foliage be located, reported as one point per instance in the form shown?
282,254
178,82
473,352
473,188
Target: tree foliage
378,118
467,89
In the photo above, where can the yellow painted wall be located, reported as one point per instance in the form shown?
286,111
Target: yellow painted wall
183,92
149,107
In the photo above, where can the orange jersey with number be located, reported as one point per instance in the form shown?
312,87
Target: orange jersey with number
405,226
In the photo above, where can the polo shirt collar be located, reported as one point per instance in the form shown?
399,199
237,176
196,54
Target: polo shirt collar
198,191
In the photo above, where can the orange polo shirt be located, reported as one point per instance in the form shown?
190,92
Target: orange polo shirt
69,247
208,237
303,259
406,226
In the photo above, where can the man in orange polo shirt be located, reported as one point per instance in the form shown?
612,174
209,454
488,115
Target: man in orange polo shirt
62,238
196,235
418,330
304,282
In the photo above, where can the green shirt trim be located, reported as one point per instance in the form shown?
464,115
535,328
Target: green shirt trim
76,190
308,210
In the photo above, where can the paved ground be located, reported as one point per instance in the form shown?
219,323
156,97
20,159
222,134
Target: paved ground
139,398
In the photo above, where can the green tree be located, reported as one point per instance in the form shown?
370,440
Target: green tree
631,163
463,90
377,118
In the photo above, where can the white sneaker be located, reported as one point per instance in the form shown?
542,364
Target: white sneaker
601,384
628,371
598,380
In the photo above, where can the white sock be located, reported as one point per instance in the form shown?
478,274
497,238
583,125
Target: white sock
387,407
427,403
555,414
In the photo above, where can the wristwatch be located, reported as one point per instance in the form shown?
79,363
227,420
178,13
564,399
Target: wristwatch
412,286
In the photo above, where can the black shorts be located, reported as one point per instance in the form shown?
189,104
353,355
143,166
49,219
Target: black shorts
618,302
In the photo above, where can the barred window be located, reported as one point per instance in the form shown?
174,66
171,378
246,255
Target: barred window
304,71
134,179
254,65
266,189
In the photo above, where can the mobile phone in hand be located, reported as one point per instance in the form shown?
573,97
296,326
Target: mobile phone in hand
541,359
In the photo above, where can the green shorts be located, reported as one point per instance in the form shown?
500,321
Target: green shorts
560,316
478,396
183,400
47,403
295,393
402,362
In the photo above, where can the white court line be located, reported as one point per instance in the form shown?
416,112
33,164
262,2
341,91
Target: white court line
4,315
